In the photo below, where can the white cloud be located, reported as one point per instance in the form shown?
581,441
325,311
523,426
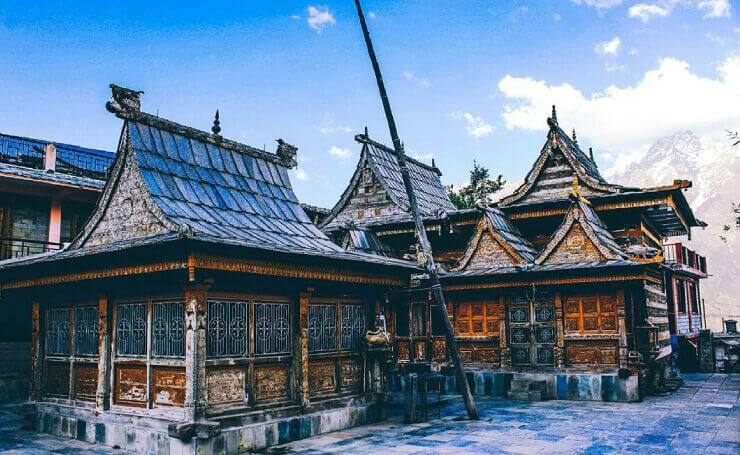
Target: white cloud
610,67
295,16
301,175
633,51
662,8
715,39
426,157
339,153
599,5
475,127
715,8
606,156
319,17
645,11
421,82
667,99
608,47
372,15
556,17
329,126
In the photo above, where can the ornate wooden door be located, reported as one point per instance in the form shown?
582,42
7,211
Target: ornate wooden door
532,331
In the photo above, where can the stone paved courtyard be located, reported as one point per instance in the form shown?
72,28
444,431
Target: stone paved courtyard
702,417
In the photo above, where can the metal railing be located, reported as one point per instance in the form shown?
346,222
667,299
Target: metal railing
676,253
71,160
11,248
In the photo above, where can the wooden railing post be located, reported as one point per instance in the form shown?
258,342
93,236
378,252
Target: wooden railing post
300,357
102,394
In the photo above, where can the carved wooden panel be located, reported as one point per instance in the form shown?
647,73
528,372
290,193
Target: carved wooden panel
322,376
351,373
439,349
57,379
487,356
490,253
271,382
168,386
592,353
403,351
478,318
420,351
86,381
130,385
466,355
575,247
591,314
226,386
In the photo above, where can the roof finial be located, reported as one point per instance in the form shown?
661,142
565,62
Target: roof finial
216,128
366,134
433,165
554,116
575,140
591,154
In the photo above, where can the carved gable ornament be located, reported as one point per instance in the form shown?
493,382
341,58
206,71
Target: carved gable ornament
487,249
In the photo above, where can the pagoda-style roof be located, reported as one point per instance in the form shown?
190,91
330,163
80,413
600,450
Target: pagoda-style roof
172,182
559,159
495,242
581,237
425,179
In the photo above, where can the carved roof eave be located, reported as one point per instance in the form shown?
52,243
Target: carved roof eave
484,225
575,214
555,141
363,139
347,194
124,157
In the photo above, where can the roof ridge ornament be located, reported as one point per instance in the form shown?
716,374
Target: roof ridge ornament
575,140
576,191
552,120
216,128
287,153
126,102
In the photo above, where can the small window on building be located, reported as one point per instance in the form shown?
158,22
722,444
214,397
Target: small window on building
402,319
168,328
272,328
477,319
360,214
681,294
227,334
322,327
437,321
378,212
131,329
693,298
86,331
58,332
353,326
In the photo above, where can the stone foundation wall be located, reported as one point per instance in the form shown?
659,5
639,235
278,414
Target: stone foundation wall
150,436
559,386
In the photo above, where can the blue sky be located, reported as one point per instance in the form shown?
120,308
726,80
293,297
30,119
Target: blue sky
467,79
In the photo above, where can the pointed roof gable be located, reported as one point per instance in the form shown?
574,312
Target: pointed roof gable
580,226
550,175
169,178
505,242
430,193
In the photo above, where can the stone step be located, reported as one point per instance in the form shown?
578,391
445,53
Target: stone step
525,396
527,385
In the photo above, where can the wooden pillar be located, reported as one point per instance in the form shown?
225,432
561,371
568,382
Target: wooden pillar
622,325
559,350
300,350
55,219
505,354
102,394
37,353
195,349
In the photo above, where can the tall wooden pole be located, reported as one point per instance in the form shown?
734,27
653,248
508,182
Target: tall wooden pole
431,267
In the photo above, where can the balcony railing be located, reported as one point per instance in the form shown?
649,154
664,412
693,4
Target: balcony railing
11,248
677,254
71,160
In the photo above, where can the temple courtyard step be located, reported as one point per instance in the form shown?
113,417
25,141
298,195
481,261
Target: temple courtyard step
527,390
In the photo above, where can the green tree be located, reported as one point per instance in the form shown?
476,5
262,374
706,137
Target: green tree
479,190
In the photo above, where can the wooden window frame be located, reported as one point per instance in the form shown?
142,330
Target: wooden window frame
599,315
490,312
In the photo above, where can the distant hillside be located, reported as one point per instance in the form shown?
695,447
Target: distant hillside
714,169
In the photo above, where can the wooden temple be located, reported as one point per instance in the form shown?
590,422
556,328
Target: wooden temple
199,310
560,284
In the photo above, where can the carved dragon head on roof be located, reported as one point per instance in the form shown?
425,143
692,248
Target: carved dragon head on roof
125,101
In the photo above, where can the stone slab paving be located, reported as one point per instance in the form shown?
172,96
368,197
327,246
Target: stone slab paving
703,416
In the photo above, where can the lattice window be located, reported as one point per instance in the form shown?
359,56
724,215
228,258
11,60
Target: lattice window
477,319
322,327
591,314
228,332
86,331
419,319
131,329
168,328
58,331
272,328
353,326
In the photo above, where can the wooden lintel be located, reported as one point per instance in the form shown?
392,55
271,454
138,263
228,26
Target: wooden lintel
546,281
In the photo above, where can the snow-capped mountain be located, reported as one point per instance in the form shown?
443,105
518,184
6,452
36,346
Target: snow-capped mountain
714,168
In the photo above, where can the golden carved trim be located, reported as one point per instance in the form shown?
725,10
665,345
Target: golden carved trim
293,270
96,274
537,214
547,281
